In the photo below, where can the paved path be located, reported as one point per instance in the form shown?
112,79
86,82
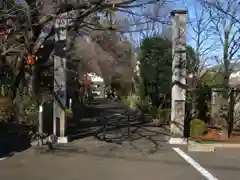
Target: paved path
90,119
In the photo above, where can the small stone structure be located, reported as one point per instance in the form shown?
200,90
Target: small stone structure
218,102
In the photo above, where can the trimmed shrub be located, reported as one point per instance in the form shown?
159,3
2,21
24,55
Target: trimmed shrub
197,127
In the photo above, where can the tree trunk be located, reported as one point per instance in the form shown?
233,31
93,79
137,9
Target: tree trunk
231,112
18,106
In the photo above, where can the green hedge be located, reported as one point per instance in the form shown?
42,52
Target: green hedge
197,127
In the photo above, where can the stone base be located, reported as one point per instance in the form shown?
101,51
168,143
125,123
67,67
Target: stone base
179,141
201,148
39,142
62,140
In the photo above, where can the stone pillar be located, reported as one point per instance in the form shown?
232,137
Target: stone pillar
179,21
60,79
214,102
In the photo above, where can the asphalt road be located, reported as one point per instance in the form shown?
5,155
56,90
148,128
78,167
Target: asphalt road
147,157
223,164
91,160
75,164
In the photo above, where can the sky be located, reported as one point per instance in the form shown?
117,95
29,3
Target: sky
212,39
190,5
177,4
194,13
193,8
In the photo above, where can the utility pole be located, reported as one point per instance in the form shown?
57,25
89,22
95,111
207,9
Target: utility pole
60,78
179,21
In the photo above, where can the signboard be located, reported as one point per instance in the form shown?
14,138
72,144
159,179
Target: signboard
66,19
61,22
179,108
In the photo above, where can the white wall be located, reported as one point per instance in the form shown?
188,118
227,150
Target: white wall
234,79
95,78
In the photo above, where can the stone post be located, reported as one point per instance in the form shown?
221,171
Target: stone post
179,20
60,79
214,104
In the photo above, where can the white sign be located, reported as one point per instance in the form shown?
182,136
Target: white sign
61,22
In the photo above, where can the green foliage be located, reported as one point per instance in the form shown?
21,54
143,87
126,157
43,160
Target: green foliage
163,116
203,98
6,109
30,109
131,101
140,89
212,79
192,60
156,66
144,105
153,111
160,113
197,127
69,112
125,101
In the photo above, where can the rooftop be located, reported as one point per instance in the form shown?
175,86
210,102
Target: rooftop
235,66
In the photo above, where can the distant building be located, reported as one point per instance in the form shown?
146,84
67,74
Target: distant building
220,67
234,79
97,84
95,78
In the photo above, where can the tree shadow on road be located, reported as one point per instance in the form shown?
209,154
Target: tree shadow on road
142,137
87,120
17,140
111,123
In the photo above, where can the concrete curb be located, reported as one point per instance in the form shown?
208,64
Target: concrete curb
178,141
201,148
60,140
194,146
35,142
223,145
